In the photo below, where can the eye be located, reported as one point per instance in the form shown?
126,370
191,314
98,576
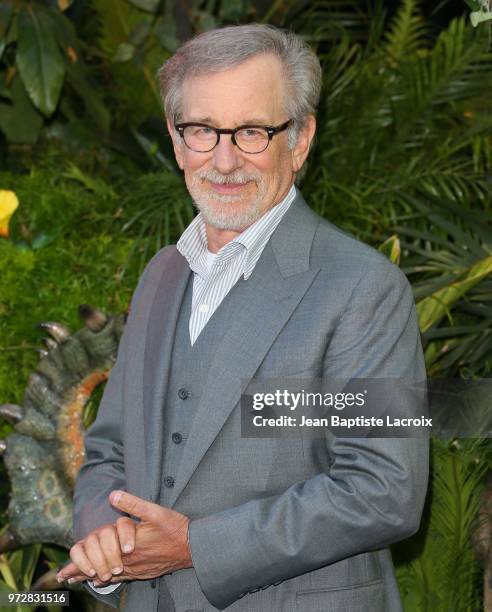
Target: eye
251,134
200,131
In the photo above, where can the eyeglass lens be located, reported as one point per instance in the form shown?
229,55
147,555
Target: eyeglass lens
203,139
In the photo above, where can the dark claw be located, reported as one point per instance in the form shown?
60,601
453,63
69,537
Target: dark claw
59,331
8,542
93,318
11,413
3,447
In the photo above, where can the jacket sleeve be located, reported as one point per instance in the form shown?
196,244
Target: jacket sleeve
372,494
103,469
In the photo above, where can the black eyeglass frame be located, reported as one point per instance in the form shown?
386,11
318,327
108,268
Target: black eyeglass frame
270,130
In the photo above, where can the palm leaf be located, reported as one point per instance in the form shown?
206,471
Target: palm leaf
407,32
443,574
432,308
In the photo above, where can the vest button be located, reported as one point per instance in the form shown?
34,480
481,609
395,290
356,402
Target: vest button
169,481
183,394
177,438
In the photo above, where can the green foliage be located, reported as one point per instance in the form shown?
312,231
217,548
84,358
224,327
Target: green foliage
20,121
164,211
443,574
421,115
17,571
127,37
40,58
448,257
63,253
407,33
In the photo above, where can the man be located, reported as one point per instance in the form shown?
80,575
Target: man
172,503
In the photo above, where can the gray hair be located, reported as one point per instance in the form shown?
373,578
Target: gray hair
223,48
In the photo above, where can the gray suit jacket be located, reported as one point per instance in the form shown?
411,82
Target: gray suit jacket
290,525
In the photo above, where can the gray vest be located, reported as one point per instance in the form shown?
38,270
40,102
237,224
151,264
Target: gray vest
189,368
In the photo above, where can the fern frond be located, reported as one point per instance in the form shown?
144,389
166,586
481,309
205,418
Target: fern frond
406,33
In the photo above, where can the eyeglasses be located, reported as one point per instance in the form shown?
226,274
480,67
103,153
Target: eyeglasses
202,138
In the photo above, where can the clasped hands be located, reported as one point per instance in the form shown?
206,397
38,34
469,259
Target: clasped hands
131,550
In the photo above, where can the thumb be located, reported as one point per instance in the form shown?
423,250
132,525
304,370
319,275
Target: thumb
131,504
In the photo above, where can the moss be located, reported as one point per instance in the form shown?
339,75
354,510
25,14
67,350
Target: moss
63,251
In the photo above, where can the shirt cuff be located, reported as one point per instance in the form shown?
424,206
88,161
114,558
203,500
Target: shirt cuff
104,590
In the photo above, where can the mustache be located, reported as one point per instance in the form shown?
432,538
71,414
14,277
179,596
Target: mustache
236,177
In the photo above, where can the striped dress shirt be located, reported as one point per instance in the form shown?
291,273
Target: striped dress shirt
214,274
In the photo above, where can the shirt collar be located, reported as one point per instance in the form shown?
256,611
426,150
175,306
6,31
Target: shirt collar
193,242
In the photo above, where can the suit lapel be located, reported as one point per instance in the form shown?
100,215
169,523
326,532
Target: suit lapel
279,281
158,349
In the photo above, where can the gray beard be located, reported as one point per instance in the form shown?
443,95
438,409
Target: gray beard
228,220
226,216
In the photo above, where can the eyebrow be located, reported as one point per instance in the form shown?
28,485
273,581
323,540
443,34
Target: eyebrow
254,121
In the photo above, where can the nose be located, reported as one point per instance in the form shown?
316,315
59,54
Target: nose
226,156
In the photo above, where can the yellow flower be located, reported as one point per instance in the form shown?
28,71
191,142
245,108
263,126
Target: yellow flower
8,205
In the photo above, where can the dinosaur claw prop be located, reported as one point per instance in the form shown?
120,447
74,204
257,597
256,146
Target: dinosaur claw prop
11,413
59,331
93,318
50,343
8,542
43,454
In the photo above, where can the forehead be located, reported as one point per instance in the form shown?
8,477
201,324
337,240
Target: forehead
250,91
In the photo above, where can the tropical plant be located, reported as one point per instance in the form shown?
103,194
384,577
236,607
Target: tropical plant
448,255
443,574
41,69
17,571
404,113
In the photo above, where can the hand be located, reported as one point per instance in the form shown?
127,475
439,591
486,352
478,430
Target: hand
99,554
161,545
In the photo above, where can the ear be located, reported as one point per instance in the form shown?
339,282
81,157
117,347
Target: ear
177,144
303,144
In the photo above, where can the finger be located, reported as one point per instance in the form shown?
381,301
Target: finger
114,580
131,504
126,533
77,578
70,570
96,556
80,562
110,545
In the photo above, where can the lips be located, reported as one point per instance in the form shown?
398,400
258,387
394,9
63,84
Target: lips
227,187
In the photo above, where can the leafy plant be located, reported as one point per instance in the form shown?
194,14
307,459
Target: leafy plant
402,114
443,574
40,53
448,252
17,571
